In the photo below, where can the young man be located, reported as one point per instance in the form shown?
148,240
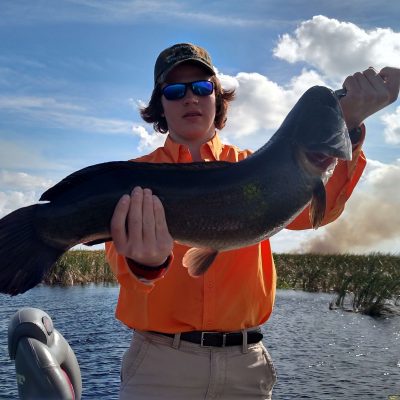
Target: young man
200,338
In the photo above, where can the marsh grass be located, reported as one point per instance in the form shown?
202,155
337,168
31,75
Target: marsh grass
364,283
81,267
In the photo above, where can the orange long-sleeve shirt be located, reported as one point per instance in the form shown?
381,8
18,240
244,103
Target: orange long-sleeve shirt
238,291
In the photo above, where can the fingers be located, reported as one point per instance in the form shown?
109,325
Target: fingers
391,76
135,217
368,84
148,224
373,80
161,227
139,228
118,229
367,93
141,219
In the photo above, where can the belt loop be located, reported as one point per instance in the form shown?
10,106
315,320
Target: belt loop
244,344
177,340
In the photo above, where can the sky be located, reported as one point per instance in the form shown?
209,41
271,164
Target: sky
73,74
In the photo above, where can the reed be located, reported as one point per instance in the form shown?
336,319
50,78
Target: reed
80,267
364,283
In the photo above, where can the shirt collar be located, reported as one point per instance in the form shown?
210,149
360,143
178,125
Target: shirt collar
210,151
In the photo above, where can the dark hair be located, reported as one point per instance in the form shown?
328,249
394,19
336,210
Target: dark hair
154,112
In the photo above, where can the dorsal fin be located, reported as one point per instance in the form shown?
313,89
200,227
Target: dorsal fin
87,173
79,177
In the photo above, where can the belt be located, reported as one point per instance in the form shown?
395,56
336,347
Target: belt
218,339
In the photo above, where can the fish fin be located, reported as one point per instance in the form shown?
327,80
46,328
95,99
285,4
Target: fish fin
24,258
318,205
198,260
81,176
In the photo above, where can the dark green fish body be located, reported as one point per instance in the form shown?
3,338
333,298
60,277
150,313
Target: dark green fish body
211,207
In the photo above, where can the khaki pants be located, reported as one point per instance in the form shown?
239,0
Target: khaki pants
160,367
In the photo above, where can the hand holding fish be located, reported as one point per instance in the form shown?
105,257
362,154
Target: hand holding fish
368,92
139,229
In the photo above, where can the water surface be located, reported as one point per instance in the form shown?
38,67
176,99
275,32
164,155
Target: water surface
319,354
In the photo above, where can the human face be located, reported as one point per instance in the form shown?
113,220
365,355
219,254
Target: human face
190,119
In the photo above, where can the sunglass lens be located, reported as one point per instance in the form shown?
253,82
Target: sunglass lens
175,91
202,88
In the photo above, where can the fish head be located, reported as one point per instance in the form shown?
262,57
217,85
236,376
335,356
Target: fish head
319,127
320,137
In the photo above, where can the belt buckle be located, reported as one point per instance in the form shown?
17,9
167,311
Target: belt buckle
203,338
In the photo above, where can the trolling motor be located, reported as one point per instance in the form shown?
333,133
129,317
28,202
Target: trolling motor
46,365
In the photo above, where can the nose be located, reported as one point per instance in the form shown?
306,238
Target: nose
190,97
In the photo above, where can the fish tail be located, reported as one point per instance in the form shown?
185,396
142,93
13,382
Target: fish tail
24,257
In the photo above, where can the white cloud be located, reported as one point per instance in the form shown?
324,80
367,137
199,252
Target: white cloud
261,105
19,189
148,141
10,201
339,48
392,127
23,181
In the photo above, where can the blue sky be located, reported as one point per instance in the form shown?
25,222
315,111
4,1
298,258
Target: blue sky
73,72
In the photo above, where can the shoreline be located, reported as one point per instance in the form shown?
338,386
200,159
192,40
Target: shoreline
365,283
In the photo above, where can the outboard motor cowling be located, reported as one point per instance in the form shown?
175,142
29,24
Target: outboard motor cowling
45,364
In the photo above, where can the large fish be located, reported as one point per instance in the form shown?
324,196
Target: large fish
211,207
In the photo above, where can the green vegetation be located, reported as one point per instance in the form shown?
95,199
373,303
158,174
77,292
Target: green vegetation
80,267
369,284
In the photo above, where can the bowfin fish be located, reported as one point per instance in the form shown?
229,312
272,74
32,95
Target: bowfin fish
209,206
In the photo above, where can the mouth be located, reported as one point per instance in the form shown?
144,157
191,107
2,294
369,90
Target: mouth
320,161
192,114
317,164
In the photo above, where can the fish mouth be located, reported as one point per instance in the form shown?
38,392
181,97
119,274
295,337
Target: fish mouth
320,161
317,163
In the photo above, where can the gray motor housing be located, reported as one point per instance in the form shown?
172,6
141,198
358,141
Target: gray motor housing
45,364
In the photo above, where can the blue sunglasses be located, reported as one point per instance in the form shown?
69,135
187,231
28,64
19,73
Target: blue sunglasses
176,91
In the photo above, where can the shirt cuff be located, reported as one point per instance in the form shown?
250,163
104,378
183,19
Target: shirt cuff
145,273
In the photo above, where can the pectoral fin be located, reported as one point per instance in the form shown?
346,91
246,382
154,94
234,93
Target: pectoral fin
318,205
197,261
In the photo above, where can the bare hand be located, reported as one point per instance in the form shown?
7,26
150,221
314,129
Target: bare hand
369,92
139,228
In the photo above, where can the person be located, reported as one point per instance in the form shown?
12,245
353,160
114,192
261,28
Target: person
200,338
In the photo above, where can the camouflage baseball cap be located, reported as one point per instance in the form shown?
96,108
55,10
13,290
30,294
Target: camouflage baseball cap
177,54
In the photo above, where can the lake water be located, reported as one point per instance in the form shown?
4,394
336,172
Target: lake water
319,354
